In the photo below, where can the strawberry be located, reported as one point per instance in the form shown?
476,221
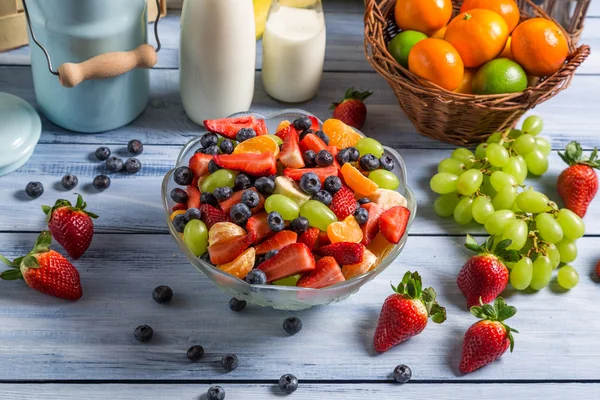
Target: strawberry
323,239
322,173
371,227
277,242
314,143
256,164
258,224
327,272
344,252
193,196
290,155
309,237
225,252
229,127
486,340
343,203
291,260
404,314
45,270
199,164
71,226
578,184
315,123
282,134
393,223
228,204
212,215
352,110
179,206
485,276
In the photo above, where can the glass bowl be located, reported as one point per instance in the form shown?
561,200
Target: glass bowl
284,297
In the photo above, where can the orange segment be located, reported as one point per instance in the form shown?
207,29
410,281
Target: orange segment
224,232
354,270
347,230
380,246
176,213
340,134
260,144
357,181
282,125
241,265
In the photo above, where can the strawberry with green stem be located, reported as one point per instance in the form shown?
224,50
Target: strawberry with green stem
578,184
352,110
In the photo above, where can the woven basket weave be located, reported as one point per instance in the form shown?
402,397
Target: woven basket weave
451,117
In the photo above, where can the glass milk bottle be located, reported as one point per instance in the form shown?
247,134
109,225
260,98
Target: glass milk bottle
294,50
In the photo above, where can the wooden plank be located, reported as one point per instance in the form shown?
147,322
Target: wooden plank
93,338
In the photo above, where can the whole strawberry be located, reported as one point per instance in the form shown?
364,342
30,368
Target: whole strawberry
404,314
352,110
45,270
71,226
578,184
486,340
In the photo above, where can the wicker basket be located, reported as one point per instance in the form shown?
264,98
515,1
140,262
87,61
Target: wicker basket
451,117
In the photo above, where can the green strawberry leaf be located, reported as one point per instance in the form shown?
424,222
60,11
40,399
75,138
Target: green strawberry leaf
502,245
11,275
43,242
471,244
437,313
428,295
489,310
6,261
411,289
478,312
30,262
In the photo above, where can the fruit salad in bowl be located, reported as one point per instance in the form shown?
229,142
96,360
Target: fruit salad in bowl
286,211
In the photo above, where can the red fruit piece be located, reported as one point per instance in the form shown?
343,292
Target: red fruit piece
309,237
393,223
344,252
323,239
212,215
315,123
256,164
290,155
598,269
179,206
225,252
277,242
314,143
282,134
229,127
326,273
343,203
228,204
291,260
322,173
371,227
578,184
258,224
199,164
334,150
193,196
352,110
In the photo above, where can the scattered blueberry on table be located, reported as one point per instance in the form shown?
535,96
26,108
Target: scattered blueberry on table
402,373
237,305
229,362
34,189
215,393
195,353
114,164
133,165
162,294
101,182
288,383
135,147
292,325
143,333
102,153
69,181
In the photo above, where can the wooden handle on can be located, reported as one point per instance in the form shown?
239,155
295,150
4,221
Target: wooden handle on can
107,65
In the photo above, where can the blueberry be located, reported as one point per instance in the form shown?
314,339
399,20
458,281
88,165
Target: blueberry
237,305
363,200
245,134
213,167
369,162
209,198
250,198
193,213
101,182
209,139
310,183
240,214
288,383
299,225
133,165
259,260
183,176
302,123
353,153
114,164
386,162
332,184
223,193
179,222
292,325
211,150
361,215
135,147
324,158
321,135
343,156
102,153
304,133
323,196
69,181
179,196
275,221
206,258
195,353
309,158
143,333
34,189
242,181
265,185
402,373
256,277
226,146
271,254
215,393
162,294
229,362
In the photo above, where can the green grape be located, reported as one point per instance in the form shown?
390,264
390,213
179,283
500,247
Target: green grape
554,255
369,146
533,202
482,209
445,204
286,207
524,144
549,229
385,179
521,273
571,224
537,162
497,155
495,137
517,167
567,249
543,146
515,208
277,139
443,183
516,231
469,182
220,178
533,125
480,151
505,198
463,213
567,277
498,221
318,214
463,155
290,281
500,179
452,166
195,236
515,133
542,272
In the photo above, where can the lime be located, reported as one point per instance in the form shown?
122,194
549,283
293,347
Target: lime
500,76
402,43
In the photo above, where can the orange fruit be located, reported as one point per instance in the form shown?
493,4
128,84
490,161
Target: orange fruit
425,16
176,213
259,144
354,270
506,53
437,61
282,125
357,181
440,33
466,86
241,265
508,9
224,232
380,246
347,230
540,46
340,134
478,35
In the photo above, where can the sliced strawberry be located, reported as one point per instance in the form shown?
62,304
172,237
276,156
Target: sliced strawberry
228,204
314,143
179,206
256,164
261,127
277,242
393,222
344,252
212,215
199,164
258,224
282,134
322,173
323,239
371,227
343,203
334,150
193,196
290,155
327,272
291,260
309,237
315,123
225,252
229,127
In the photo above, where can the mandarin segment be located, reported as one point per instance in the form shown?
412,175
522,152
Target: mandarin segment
340,134
224,232
258,144
354,270
241,265
347,230
357,181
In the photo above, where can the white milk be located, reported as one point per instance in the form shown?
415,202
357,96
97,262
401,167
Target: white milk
293,54
217,57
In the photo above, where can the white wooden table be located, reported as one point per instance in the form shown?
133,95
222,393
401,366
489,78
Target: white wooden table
58,350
